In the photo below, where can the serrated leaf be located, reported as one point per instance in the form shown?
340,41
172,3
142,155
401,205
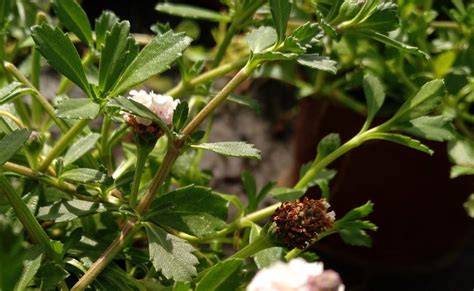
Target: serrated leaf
117,47
355,237
303,38
426,99
69,210
12,91
232,148
224,276
356,213
327,145
156,57
275,56
61,54
74,18
170,255
283,194
318,62
193,12
192,209
80,148
261,38
31,265
12,143
281,10
180,115
437,128
403,140
84,175
374,94
103,24
392,42
384,18
77,108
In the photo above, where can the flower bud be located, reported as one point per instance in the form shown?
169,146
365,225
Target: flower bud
298,223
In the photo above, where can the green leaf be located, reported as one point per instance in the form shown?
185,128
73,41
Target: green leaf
261,38
12,143
355,237
403,140
12,91
224,276
327,145
80,148
170,254
51,274
155,57
5,9
118,47
437,128
77,108
392,42
180,115
268,256
461,152
318,62
61,54
192,209
374,94
74,18
232,148
31,265
283,194
250,187
384,19
303,38
69,210
469,205
457,171
103,24
426,99
193,12
281,10
246,101
356,213
84,175
11,255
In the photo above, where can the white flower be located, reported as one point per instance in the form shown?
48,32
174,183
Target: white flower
162,105
297,275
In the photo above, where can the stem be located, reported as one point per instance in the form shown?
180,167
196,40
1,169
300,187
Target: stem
254,247
34,229
224,44
63,143
37,95
181,88
36,111
13,118
104,148
142,154
243,74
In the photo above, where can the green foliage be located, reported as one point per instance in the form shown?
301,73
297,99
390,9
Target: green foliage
77,108
266,257
352,228
287,194
155,57
437,128
180,115
69,210
232,148
261,38
193,12
12,91
61,54
375,95
12,143
74,18
31,265
281,10
11,255
80,148
170,255
403,140
226,275
84,175
327,145
104,23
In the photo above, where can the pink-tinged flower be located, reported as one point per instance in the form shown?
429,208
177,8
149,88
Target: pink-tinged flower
296,275
162,105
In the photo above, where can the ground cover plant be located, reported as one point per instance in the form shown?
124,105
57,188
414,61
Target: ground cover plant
105,190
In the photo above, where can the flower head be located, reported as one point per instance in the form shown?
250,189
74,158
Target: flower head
296,275
300,222
162,105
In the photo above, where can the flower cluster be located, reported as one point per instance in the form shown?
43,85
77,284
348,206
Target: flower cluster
300,222
296,275
162,105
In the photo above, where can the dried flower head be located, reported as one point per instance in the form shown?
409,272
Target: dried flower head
300,222
296,275
162,105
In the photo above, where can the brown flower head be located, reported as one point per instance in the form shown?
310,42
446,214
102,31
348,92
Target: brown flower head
300,222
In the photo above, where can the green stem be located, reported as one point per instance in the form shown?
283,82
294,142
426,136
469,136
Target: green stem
37,95
254,247
104,148
224,44
36,110
34,229
63,142
181,88
142,154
